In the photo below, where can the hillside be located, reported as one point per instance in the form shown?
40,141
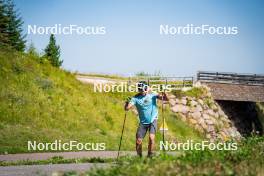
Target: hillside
43,103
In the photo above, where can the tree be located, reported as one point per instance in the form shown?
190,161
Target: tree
3,24
32,50
11,26
52,52
15,22
142,74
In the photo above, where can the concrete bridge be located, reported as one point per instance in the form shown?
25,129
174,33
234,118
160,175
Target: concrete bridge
233,86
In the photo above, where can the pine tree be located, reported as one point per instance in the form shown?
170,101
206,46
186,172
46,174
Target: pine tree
14,30
11,26
3,24
52,52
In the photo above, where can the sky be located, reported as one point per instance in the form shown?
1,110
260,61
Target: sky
133,42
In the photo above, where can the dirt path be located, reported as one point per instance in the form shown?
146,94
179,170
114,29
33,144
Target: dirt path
95,80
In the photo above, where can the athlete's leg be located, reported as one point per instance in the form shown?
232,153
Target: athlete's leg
141,132
152,133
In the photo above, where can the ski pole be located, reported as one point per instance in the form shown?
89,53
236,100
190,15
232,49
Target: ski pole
121,135
163,119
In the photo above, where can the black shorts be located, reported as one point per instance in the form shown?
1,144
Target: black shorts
143,128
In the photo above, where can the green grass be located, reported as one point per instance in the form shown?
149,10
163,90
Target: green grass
43,103
194,92
247,160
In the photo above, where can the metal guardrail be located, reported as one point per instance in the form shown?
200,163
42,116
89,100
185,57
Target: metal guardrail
231,78
174,82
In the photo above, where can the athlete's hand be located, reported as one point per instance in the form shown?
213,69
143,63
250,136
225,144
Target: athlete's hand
127,105
128,99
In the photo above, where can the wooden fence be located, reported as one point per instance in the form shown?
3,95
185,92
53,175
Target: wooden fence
174,82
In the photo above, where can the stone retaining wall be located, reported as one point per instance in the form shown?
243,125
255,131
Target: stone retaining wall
206,116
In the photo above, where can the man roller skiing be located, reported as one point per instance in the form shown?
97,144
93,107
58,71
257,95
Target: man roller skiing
146,103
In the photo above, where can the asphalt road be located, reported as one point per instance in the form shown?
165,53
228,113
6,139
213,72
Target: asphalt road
54,169
49,170
65,155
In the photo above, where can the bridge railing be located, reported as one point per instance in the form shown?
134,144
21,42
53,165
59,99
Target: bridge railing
231,78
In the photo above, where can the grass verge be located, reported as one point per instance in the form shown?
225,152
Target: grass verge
247,160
